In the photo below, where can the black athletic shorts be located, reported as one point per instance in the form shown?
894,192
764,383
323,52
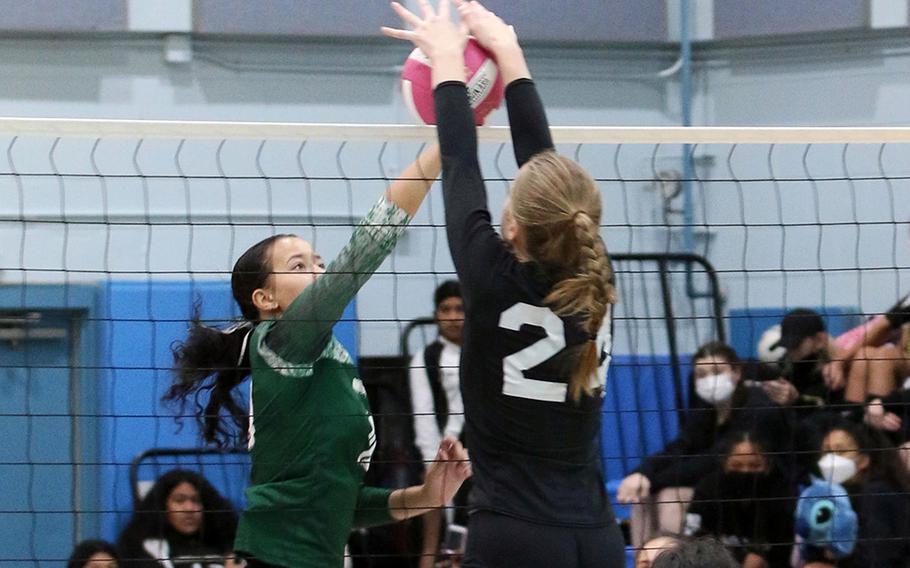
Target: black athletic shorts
498,540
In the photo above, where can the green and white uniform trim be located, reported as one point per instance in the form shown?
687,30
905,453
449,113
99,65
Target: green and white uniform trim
311,432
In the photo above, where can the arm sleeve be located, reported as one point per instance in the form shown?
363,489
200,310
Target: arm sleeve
474,245
670,467
426,432
682,471
780,532
455,423
698,519
527,120
372,507
897,402
303,331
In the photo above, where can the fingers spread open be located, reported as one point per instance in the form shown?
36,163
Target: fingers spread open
443,9
406,15
398,33
426,9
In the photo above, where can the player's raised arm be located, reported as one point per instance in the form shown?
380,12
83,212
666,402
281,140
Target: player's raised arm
410,188
474,244
527,118
308,320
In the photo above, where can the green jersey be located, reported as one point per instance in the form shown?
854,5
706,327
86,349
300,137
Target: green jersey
311,433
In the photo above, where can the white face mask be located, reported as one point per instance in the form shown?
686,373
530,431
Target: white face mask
715,388
836,469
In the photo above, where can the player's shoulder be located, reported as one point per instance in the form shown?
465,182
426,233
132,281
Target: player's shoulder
520,282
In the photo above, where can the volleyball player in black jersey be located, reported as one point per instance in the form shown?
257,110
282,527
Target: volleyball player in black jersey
537,331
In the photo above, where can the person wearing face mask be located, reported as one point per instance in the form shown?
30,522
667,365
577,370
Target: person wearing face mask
747,504
661,487
182,522
865,464
809,379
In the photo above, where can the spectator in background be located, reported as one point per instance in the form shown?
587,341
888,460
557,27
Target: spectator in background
747,504
436,397
891,414
700,553
810,379
93,554
870,359
811,372
662,486
649,551
879,354
183,522
877,485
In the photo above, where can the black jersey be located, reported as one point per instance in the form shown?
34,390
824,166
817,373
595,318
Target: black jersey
535,453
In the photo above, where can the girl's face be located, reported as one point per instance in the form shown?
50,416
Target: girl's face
746,457
294,266
714,365
450,318
841,443
184,509
100,560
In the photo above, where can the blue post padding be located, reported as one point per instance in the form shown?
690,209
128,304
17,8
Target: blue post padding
747,325
140,322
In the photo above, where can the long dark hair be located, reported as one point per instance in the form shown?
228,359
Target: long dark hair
698,553
737,437
717,349
85,549
885,463
213,361
149,520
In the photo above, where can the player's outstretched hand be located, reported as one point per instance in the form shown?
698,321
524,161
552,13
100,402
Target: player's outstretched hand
433,32
487,28
497,37
445,475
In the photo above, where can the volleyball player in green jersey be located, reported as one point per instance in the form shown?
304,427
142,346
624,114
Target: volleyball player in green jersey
308,425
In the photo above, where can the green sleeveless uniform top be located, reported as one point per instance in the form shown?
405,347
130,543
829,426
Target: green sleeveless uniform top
311,432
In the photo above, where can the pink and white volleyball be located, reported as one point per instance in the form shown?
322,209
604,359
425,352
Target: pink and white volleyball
485,88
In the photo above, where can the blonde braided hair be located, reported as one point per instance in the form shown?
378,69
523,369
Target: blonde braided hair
557,205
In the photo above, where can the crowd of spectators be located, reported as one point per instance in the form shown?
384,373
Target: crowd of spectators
799,459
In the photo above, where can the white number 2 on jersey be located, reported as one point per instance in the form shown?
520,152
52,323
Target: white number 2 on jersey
514,382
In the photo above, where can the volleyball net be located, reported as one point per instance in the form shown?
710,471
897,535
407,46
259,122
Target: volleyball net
114,232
